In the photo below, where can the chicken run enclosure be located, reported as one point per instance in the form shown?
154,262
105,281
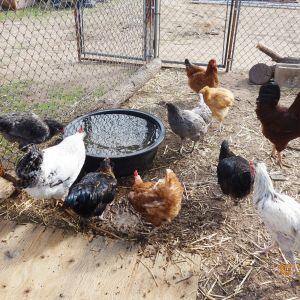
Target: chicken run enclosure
63,58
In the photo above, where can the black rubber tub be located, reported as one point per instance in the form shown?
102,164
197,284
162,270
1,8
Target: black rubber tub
130,138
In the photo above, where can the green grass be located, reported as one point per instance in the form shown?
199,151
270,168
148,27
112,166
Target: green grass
66,96
12,95
32,12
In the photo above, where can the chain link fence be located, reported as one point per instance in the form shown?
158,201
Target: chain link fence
272,23
227,30
197,31
58,57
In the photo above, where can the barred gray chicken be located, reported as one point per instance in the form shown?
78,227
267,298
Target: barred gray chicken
192,124
27,128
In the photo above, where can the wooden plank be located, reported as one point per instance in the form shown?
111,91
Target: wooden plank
46,263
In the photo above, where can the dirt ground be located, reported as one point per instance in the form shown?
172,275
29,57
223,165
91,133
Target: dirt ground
209,224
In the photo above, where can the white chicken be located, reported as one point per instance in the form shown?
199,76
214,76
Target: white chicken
51,172
279,212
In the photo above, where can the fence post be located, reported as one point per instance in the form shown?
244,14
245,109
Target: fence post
232,33
78,28
156,28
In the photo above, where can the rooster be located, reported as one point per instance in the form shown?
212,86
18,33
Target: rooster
199,77
219,100
192,124
158,202
279,124
27,128
233,172
279,212
50,173
93,193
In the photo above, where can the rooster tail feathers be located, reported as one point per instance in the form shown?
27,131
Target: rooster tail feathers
269,93
225,151
295,107
187,62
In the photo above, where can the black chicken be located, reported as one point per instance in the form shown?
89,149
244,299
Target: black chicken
233,173
27,128
93,193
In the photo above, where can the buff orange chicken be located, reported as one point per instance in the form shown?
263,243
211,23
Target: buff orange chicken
157,202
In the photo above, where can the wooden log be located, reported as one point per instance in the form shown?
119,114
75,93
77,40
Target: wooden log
128,88
277,57
261,73
6,189
8,4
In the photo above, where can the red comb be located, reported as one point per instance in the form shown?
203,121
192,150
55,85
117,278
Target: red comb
80,130
135,173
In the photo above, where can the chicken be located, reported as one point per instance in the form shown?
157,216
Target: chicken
192,124
218,100
93,193
157,202
280,124
8,5
233,173
27,128
199,77
50,173
279,212
2,170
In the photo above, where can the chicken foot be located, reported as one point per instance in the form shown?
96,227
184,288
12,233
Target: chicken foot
265,250
278,155
57,202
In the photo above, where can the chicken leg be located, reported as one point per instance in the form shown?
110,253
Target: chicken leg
193,147
181,146
274,152
221,126
278,155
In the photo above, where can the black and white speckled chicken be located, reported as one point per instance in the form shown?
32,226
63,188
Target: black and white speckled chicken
234,176
93,193
26,128
192,124
49,173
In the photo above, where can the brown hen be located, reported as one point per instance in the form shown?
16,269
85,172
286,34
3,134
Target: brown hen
157,202
279,124
199,77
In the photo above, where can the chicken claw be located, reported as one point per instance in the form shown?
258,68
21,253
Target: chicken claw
274,152
58,202
265,250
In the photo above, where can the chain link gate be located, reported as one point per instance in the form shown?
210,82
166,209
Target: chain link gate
194,30
227,30
127,29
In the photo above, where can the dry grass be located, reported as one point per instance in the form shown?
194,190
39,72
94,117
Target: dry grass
209,225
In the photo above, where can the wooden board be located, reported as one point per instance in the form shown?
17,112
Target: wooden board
47,263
